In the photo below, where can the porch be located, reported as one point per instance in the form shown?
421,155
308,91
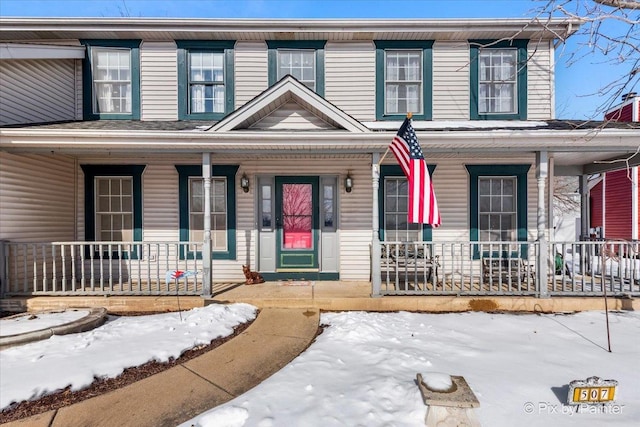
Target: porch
453,269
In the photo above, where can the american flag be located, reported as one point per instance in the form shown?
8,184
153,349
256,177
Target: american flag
423,207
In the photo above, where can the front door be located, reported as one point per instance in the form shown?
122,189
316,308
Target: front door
297,233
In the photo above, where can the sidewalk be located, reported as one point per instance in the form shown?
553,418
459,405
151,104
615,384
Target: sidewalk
171,397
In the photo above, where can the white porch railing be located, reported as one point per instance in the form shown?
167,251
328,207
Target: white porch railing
407,268
509,268
99,268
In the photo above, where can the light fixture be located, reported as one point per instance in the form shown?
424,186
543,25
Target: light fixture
244,183
348,183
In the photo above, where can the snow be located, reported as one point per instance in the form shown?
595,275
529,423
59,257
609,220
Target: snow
437,381
361,370
28,323
458,124
32,370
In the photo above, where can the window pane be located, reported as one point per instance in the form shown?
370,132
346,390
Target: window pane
403,81
497,74
111,70
497,216
113,208
301,64
396,225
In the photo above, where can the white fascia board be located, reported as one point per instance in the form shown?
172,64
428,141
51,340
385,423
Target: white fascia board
40,51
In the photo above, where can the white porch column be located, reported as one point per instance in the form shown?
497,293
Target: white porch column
375,238
584,207
542,174
206,246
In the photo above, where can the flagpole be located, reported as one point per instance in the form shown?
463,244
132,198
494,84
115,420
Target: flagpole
409,116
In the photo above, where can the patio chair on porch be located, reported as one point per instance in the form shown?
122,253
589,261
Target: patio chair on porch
506,270
409,261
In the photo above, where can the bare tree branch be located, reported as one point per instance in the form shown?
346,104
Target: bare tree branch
620,3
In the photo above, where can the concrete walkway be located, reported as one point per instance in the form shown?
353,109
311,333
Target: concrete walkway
171,397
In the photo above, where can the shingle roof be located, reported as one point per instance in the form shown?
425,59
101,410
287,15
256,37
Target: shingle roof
194,125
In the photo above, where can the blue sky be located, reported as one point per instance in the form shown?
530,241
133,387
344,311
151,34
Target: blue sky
577,85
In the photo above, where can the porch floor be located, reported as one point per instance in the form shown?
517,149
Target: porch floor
323,295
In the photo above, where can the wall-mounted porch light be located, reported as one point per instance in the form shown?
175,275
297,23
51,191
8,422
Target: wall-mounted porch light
348,183
244,183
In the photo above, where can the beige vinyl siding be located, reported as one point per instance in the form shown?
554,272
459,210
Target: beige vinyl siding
540,81
78,76
35,91
251,71
291,116
350,78
37,198
450,80
158,81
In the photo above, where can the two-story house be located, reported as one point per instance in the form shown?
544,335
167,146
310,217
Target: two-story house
133,147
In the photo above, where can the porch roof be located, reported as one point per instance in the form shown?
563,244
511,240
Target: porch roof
575,145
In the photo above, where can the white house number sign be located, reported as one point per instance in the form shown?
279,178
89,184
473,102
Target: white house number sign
592,390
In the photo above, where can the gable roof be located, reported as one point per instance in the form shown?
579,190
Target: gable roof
288,93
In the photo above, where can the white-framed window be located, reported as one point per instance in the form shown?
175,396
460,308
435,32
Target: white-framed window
300,63
396,204
111,71
403,81
497,210
206,82
114,208
498,81
218,212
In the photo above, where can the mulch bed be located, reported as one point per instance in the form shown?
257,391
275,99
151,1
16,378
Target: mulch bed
99,386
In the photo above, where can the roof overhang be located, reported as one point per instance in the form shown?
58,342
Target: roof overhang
486,141
40,51
285,29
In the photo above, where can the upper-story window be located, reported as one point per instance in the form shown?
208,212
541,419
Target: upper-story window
303,60
403,79
498,80
112,79
205,79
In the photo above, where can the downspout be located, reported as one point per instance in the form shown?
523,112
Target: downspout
376,281
542,173
604,205
634,203
206,246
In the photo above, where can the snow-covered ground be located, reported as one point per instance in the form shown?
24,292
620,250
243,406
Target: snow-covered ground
361,370
33,370
26,323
